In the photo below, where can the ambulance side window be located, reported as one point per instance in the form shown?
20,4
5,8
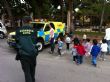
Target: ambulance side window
47,28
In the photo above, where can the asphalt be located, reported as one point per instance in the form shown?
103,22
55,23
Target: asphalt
52,68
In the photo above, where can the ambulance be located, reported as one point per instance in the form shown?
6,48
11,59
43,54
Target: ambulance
43,33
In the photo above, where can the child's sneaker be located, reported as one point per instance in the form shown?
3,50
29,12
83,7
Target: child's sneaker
59,55
95,65
50,52
104,59
75,62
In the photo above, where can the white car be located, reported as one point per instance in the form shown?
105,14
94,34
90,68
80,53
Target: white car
3,30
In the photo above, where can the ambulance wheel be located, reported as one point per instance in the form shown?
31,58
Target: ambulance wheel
40,45
2,36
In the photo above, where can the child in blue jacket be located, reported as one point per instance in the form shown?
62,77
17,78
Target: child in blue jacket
95,50
60,45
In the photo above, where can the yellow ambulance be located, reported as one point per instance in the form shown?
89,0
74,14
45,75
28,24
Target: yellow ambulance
43,33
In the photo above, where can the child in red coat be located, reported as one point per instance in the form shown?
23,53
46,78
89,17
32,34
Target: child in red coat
81,52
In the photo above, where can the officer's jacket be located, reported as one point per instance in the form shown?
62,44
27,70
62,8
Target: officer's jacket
24,39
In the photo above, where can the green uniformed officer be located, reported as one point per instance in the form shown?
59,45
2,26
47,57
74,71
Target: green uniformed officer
26,50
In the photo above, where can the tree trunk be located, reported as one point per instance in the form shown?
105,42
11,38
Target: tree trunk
70,17
102,17
6,5
68,21
3,18
36,9
62,14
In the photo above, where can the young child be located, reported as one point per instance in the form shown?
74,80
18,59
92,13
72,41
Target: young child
60,45
84,37
76,39
81,52
87,47
95,50
68,41
74,52
104,47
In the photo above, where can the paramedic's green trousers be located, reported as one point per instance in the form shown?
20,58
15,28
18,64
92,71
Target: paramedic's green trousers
28,66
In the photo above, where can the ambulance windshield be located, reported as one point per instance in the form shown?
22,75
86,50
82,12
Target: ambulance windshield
38,26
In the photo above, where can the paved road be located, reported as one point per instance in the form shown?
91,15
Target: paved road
52,68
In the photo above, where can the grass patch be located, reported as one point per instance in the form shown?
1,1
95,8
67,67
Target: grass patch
100,34
92,35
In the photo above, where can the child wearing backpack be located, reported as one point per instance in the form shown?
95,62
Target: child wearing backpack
104,47
68,41
81,52
60,45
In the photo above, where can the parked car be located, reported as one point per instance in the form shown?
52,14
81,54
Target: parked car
3,30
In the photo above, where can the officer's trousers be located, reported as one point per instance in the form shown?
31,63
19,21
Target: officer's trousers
28,66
